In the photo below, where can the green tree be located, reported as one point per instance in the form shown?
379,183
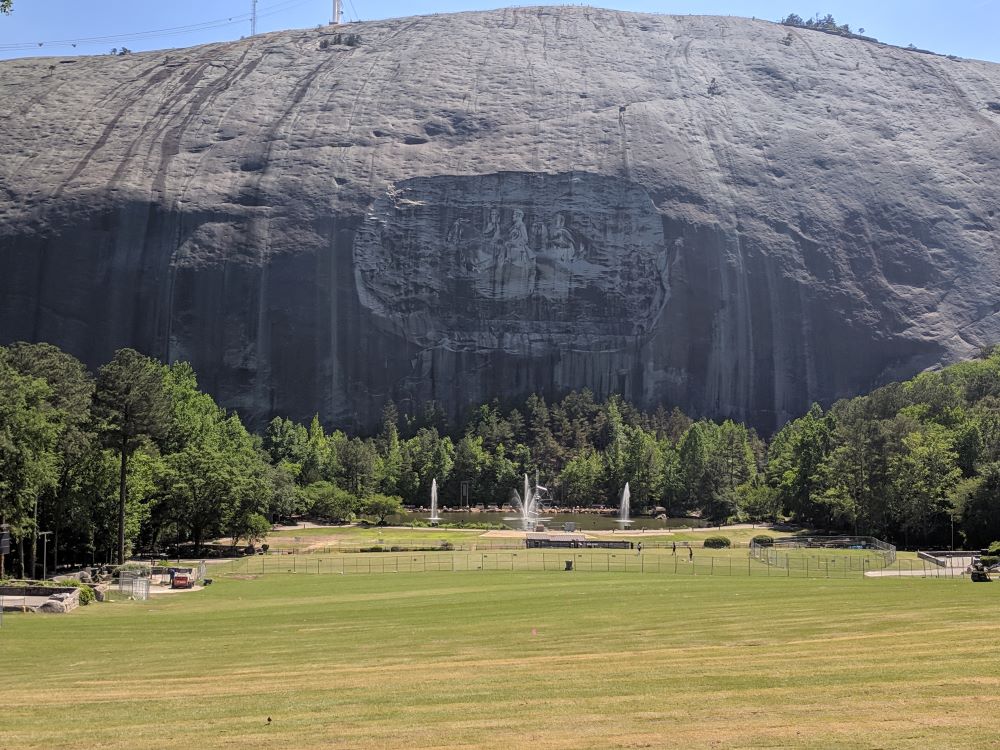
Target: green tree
734,454
71,390
390,451
132,404
644,466
6,6
580,481
216,484
328,501
796,456
193,414
758,501
923,479
253,527
382,506
285,440
695,455
976,504
426,456
471,465
284,496
197,484
29,429
615,451
315,454
546,452
360,467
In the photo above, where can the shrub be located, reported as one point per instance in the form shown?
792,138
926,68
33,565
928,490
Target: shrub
87,594
717,542
994,549
989,560
763,540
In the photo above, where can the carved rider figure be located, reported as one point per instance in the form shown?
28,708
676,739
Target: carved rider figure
562,239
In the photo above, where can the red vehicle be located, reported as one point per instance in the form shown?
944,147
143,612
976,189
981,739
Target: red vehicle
182,581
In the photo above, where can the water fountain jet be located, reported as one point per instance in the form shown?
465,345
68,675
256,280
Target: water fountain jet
435,519
625,507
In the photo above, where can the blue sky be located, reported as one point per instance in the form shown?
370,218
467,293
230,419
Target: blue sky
968,28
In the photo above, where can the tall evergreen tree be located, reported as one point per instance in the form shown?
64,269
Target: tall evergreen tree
132,404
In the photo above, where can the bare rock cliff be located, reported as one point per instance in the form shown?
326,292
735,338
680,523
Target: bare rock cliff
728,215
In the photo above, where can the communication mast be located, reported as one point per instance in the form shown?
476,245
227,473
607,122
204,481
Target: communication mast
253,17
336,13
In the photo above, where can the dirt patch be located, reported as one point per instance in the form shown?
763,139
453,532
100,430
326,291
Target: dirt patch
153,590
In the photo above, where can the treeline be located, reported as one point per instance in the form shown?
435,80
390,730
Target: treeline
585,451
912,462
825,23
137,457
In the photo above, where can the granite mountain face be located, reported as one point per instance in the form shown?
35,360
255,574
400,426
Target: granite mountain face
727,215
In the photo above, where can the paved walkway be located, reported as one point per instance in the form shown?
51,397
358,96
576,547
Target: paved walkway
932,571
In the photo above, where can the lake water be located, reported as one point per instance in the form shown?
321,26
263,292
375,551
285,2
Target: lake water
584,521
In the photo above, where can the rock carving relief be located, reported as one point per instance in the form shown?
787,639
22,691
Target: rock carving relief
527,263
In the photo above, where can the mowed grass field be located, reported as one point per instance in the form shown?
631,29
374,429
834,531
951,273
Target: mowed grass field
335,537
512,660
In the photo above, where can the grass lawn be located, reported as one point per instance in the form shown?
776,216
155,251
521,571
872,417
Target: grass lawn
511,660
353,536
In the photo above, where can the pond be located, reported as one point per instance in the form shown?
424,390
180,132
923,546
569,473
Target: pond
583,521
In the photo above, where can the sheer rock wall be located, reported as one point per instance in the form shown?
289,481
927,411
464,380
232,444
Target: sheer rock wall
728,215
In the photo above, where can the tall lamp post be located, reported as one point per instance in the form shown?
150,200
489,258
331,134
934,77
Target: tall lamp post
45,553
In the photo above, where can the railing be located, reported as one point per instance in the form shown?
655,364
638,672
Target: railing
776,553
626,561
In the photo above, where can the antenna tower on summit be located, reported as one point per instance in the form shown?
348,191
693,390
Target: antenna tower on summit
336,13
253,17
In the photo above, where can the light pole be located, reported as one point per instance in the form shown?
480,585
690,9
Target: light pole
45,552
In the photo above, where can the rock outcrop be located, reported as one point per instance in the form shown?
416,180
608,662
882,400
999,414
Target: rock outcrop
731,216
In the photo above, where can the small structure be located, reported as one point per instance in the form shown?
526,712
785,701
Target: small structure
571,541
536,540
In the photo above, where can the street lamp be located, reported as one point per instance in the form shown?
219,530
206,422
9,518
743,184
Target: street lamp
45,553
